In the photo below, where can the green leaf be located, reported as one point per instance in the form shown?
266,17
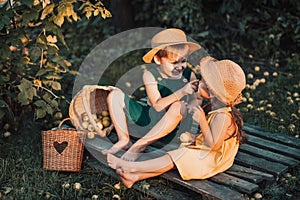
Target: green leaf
49,109
43,71
42,40
40,113
59,61
56,85
30,15
22,98
54,103
47,97
27,92
40,103
35,53
203,34
52,50
25,85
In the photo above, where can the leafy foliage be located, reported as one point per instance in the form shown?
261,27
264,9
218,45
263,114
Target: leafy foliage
268,30
33,69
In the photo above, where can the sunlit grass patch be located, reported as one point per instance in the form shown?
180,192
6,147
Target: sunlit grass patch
271,99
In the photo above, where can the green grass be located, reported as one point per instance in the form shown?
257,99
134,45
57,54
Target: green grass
22,175
272,98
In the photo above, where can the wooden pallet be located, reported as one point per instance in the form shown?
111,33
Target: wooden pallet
264,158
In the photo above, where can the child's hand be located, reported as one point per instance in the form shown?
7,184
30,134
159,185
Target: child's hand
191,87
195,85
198,114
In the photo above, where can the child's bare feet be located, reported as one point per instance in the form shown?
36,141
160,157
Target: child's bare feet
120,145
133,153
112,161
128,179
117,163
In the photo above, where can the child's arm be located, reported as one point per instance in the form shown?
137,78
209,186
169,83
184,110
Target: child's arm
154,96
215,134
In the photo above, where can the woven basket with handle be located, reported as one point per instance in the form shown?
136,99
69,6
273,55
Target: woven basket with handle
88,101
63,148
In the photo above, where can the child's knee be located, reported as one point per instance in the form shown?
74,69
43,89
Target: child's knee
177,108
116,96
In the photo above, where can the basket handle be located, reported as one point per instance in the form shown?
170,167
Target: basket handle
88,111
62,121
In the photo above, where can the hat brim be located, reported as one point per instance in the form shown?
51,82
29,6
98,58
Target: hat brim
148,57
212,78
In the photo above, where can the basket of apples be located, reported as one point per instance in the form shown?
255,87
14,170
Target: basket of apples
88,110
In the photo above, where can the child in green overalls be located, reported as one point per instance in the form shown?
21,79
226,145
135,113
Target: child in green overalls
169,85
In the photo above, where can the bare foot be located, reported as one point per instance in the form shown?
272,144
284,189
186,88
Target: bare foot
117,163
133,153
120,145
112,161
128,179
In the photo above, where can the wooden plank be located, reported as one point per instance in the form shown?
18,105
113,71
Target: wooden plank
206,188
269,155
244,176
280,138
274,146
260,164
167,193
236,183
99,143
249,174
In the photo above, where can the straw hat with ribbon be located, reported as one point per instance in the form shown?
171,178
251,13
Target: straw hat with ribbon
225,79
168,37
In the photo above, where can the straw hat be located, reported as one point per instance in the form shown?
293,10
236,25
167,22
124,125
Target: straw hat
225,79
171,36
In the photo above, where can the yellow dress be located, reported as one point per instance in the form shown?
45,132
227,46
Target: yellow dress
199,161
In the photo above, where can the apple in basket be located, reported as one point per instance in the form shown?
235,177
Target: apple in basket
102,121
91,135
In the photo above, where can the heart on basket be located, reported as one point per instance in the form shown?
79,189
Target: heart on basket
60,147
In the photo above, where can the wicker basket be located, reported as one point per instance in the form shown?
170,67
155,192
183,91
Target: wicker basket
63,149
90,100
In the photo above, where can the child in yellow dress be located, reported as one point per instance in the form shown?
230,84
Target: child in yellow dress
214,149
167,83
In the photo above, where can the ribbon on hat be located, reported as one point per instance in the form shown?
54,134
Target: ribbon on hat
236,101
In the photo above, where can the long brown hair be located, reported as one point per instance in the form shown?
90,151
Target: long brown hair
238,120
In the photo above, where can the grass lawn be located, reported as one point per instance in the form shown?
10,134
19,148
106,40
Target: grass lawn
22,175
